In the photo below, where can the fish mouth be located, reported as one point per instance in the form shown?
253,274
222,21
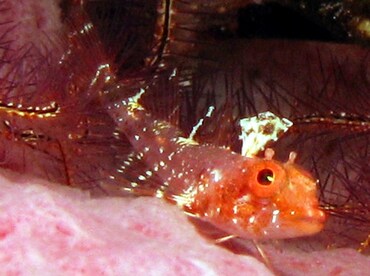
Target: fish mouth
294,227
291,229
311,224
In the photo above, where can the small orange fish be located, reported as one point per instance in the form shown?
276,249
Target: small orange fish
253,198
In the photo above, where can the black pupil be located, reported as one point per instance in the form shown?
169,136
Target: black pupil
265,177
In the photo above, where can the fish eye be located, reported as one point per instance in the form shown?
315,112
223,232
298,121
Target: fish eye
265,177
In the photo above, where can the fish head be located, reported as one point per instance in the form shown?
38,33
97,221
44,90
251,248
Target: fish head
280,201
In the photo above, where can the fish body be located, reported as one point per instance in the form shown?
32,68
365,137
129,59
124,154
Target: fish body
249,197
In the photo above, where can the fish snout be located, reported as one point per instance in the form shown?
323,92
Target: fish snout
312,222
315,214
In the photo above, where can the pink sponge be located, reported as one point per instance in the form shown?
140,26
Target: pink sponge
52,230
48,229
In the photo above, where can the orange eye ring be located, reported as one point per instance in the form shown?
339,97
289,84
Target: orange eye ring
265,178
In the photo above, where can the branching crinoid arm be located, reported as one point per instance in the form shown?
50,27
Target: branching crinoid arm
48,111
344,188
